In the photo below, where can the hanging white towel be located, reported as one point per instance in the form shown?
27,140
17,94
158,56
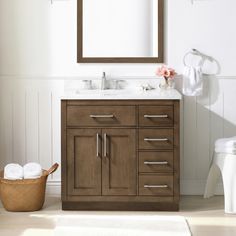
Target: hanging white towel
13,171
32,170
192,81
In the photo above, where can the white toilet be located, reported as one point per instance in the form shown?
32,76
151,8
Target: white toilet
225,164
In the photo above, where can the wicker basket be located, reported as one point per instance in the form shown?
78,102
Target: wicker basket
26,194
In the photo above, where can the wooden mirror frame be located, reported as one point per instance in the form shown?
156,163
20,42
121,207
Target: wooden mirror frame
81,59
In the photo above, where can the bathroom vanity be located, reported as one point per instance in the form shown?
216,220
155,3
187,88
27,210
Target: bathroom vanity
120,152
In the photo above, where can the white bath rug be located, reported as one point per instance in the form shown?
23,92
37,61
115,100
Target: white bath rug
121,225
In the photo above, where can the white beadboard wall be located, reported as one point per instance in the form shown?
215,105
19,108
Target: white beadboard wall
30,126
30,123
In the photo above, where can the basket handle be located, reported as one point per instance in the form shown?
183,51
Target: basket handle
53,168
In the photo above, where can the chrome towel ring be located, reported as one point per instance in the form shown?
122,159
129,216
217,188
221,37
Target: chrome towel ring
195,52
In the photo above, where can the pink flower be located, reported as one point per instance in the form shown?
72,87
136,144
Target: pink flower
159,71
172,73
165,72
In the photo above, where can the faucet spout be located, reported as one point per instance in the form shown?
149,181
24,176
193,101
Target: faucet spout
104,80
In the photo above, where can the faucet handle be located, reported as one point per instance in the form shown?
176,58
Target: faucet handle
103,74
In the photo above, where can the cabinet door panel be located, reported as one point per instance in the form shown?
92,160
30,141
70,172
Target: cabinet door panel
84,166
119,162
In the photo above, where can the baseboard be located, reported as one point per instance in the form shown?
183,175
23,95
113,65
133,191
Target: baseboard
197,187
187,187
53,189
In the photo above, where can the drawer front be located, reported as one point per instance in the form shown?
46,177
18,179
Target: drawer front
156,139
156,116
156,162
101,116
160,185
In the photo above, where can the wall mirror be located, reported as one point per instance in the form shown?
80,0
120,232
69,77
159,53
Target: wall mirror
120,31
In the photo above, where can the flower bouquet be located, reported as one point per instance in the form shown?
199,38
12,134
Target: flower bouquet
168,74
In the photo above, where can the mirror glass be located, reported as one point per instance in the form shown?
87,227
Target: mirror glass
120,30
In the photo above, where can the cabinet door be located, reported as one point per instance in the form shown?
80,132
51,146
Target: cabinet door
119,162
84,161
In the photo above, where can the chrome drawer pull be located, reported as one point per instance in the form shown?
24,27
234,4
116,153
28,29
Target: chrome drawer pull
156,186
97,153
155,139
105,145
101,116
155,116
156,163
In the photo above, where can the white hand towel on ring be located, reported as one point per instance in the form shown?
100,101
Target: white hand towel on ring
192,81
32,170
13,171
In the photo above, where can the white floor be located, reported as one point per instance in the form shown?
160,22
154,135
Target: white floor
205,217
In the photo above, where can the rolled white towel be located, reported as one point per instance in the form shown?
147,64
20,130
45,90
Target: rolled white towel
13,171
32,170
226,142
32,177
228,150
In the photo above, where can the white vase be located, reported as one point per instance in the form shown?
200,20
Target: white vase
167,83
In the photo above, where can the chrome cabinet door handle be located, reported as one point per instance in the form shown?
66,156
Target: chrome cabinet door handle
155,139
155,116
155,162
101,116
156,186
105,145
97,153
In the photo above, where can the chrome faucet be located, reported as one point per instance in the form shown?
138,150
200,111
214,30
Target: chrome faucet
104,81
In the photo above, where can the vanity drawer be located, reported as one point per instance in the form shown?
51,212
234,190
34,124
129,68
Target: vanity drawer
156,162
156,139
161,185
156,115
101,116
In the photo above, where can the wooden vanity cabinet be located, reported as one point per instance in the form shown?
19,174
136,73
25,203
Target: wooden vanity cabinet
120,155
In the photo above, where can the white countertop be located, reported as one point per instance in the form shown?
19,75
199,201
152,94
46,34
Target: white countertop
156,94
